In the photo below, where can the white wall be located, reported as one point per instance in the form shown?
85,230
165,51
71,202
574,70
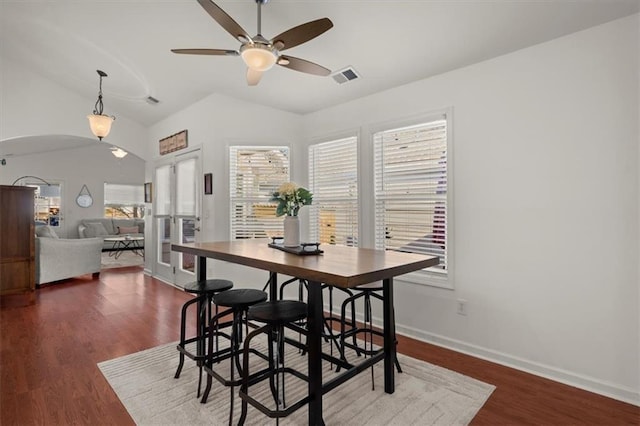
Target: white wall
214,124
546,206
91,166
32,105
546,150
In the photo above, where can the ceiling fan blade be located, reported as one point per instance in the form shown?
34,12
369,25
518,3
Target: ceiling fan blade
253,77
301,34
225,20
301,65
214,52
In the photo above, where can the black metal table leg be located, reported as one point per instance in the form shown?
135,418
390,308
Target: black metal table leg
389,336
201,321
273,286
315,323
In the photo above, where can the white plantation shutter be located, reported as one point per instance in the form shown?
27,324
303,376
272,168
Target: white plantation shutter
333,180
411,190
254,174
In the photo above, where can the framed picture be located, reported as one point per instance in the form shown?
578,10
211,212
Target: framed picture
174,142
148,191
208,183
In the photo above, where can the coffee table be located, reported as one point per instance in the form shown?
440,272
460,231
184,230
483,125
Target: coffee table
126,242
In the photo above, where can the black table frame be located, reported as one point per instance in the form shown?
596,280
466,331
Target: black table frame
315,314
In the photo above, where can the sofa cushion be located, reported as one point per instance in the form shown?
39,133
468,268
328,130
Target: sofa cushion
45,231
95,229
118,223
105,221
128,230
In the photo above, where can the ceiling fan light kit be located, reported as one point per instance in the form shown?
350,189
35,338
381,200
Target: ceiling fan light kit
100,124
258,57
260,54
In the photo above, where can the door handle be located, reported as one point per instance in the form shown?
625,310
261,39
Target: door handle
197,229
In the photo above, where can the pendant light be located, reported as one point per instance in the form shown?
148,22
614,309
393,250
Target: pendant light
100,123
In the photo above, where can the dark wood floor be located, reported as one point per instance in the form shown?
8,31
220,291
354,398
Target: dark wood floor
49,352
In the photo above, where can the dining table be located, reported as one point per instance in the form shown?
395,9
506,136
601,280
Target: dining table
333,265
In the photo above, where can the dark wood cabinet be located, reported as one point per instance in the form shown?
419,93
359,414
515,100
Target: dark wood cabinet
17,241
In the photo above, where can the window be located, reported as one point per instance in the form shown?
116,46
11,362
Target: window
123,201
411,190
333,180
47,203
254,174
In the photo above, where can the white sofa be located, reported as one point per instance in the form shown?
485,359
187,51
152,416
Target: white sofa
61,258
108,227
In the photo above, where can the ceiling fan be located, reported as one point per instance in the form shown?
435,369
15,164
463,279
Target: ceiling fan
260,54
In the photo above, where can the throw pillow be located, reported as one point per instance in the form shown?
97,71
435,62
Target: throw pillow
95,229
46,231
127,229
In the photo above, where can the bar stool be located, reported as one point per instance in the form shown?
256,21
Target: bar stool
276,315
365,292
204,291
328,333
238,301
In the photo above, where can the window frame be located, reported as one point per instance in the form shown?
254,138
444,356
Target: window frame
430,276
140,206
233,200
314,219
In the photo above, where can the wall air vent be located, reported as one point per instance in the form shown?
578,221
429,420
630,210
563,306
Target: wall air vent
345,75
151,100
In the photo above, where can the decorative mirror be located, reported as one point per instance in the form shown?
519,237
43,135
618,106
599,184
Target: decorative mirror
84,198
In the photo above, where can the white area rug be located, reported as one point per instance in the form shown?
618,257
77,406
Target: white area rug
425,394
126,258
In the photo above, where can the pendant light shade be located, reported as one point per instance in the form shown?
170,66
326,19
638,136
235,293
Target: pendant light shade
100,123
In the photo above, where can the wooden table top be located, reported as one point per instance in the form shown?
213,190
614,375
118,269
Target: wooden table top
340,266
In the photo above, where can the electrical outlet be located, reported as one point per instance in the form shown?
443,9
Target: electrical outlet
461,307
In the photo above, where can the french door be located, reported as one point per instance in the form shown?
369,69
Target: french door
177,216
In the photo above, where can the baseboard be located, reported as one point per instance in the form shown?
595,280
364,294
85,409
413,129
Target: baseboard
590,384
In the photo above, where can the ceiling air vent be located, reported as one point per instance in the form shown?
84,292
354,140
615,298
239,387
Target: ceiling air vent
345,75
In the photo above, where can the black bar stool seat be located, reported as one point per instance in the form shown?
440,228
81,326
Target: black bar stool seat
239,298
209,286
278,312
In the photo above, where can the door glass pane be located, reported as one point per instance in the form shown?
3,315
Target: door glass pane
187,229
164,240
186,187
163,191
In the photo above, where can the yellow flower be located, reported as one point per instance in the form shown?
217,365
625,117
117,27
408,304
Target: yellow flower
288,189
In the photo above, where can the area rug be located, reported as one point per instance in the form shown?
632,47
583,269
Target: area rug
425,394
125,259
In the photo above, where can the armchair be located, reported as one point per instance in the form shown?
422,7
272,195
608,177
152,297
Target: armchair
59,258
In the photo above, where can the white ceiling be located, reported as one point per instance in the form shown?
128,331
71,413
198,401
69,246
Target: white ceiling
389,43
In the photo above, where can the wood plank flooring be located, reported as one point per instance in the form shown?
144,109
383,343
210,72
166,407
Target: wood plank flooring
49,352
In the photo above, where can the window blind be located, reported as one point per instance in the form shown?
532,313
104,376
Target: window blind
410,175
254,174
186,187
123,194
162,201
333,180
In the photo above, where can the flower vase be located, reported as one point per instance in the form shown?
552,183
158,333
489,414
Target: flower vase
291,231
